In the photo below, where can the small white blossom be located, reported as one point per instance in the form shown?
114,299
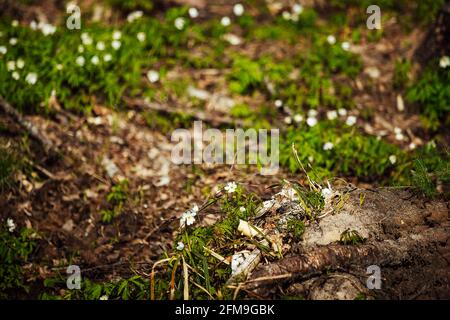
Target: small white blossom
180,246
328,146
297,8
3,50
399,136
179,23
117,35
100,46
153,76
392,159
80,49
233,39
10,224
342,112
326,193
193,13
134,16
80,61
59,66
116,44
312,113
15,23
188,217
412,146
225,21
95,60
351,120
288,120
278,103
311,121
104,297
11,65
242,209
238,9
107,57
31,78
331,115
286,15
20,63
47,29
33,25
15,75
345,46
444,62
141,36
298,118
13,41
86,39
331,39
230,187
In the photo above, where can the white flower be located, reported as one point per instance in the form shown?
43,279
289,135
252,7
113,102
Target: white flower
95,60
15,75
326,193
311,121
230,187
141,36
100,46
31,78
59,66
13,41
20,63
345,46
286,15
399,136
33,25
107,57
134,16
342,112
242,209
117,35
11,65
47,29
3,50
351,120
104,297
444,62
392,159
238,9
193,13
80,49
331,115
288,120
328,146
312,113
412,146
297,8
331,39
80,61
86,39
153,76
15,23
116,44
10,224
188,217
278,103
179,23
234,40
225,21
298,118
180,246
397,130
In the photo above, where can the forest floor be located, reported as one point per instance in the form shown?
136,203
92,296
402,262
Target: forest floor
66,199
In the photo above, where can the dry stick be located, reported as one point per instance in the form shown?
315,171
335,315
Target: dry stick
198,114
312,262
28,126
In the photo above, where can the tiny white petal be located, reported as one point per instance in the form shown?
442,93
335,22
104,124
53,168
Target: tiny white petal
116,44
180,246
392,159
193,13
331,39
328,146
311,121
331,115
288,120
345,46
225,21
31,78
297,8
351,120
342,112
238,9
179,23
153,76
444,62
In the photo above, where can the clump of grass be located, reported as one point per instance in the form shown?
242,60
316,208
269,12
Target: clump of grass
117,197
351,237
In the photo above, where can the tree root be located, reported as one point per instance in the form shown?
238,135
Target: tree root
319,259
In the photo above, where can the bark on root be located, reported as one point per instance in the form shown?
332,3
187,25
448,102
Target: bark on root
342,257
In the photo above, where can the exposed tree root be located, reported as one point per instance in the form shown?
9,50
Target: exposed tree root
318,259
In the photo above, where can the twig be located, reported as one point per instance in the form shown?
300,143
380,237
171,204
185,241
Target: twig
49,147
